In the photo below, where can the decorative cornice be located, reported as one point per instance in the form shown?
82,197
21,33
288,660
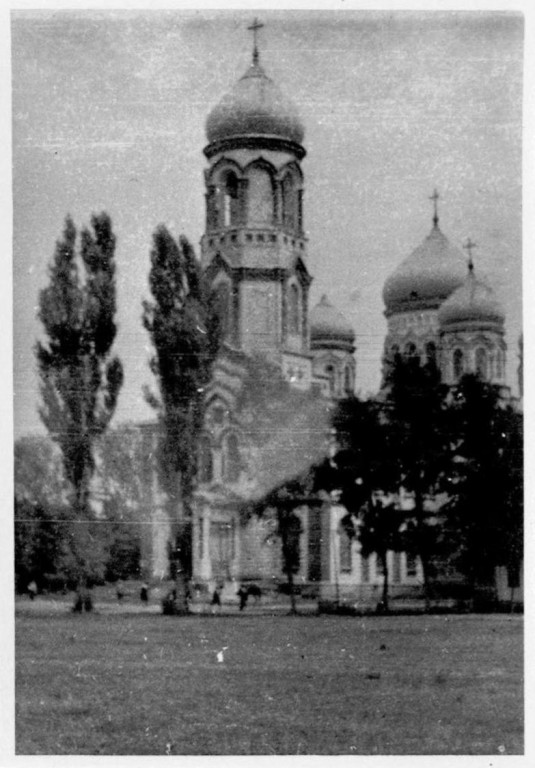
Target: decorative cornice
273,143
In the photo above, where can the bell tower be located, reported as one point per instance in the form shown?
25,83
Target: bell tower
254,245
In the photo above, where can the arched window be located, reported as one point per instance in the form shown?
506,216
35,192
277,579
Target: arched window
481,362
331,373
231,459
260,197
289,202
223,307
348,380
293,309
230,199
206,467
458,364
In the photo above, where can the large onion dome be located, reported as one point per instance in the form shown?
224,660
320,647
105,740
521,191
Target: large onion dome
329,328
473,304
254,107
427,277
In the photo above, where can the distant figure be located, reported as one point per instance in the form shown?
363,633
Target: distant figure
243,594
216,599
119,589
144,593
32,589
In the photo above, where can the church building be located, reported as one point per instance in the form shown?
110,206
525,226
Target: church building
254,250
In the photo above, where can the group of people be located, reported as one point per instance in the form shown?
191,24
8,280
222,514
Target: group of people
243,593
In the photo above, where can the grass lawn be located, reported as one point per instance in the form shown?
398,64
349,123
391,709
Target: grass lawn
153,685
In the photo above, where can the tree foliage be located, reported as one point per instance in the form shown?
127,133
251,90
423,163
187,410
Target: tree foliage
185,329
80,380
484,481
416,416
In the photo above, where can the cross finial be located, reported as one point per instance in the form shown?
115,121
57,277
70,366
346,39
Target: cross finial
469,245
255,26
435,197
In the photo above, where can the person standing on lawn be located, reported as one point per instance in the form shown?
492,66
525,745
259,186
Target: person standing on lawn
243,594
216,600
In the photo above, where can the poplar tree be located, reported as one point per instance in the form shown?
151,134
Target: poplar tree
185,329
80,379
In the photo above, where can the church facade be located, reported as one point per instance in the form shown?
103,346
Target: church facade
254,251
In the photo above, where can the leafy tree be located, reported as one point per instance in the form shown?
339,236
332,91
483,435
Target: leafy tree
39,541
185,329
379,531
484,482
80,380
363,465
415,415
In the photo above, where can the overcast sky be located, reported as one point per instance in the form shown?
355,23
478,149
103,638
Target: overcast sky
109,111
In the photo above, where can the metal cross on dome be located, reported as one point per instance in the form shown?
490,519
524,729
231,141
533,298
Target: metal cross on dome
435,197
255,26
468,245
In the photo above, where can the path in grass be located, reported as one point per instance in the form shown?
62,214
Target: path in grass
112,684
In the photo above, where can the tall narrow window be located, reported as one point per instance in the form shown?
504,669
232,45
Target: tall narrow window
481,362
230,199
348,380
223,307
289,199
499,364
458,364
331,373
293,309
231,469
200,538
300,224
206,468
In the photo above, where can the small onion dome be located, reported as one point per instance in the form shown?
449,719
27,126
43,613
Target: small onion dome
254,107
329,328
473,304
426,277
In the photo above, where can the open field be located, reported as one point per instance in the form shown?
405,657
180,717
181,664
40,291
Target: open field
134,684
